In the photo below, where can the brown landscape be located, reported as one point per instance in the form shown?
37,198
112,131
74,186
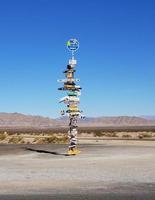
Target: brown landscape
116,160
18,120
18,128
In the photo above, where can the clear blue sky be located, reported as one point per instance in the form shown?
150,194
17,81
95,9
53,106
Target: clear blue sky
116,58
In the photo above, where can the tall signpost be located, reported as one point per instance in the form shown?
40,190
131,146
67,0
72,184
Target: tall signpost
72,99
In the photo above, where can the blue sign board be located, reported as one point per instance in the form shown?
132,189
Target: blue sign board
72,44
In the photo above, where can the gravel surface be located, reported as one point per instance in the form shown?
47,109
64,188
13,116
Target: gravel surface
102,171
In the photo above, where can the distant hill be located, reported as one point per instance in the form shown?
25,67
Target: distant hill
117,121
111,121
20,120
151,117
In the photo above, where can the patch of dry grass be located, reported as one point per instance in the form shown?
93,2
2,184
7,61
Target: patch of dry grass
15,140
52,139
62,138
126,135
105,134
145,135
3,136
18,138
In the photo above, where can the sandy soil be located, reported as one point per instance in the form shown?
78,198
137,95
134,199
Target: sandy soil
111,170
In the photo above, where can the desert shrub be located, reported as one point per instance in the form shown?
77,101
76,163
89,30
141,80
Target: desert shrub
52,139
114,134
140,136
2,136
126,136
15,139
40,141
153,134
63,139
145,135
98,134
55,139
106,134
35,140
22,141
111,134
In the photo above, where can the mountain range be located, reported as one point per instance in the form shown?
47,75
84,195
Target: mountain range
15,120
21,120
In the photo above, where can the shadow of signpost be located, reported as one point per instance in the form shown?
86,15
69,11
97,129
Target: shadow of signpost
44,151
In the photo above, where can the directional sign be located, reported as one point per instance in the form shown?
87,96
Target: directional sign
72,100
68,80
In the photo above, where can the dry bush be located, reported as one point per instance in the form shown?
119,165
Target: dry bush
55,139
153,134
40,141
98,134
126,136
2,136
52,139
145,135
63,139
15,139
105,134
111,134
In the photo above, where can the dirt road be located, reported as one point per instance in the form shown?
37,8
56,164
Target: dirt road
108,171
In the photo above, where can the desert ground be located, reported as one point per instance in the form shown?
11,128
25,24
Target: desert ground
87,134
108,170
